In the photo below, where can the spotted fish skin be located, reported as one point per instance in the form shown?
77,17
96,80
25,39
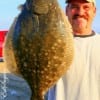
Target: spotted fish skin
39,45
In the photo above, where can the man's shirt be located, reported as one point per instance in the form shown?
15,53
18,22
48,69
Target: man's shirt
82,80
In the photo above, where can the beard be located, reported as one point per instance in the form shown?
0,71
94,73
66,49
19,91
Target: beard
79,22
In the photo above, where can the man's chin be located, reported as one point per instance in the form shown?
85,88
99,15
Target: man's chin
79,29
80,23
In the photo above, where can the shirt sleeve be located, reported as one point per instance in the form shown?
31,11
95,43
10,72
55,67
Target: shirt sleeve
50,95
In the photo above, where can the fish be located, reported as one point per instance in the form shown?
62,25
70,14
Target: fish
39,45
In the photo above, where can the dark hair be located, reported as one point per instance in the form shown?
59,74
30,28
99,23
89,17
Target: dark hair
67,1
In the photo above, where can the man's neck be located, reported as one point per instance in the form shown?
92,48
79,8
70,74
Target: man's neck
84,34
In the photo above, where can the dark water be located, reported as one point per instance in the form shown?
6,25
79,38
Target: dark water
13,88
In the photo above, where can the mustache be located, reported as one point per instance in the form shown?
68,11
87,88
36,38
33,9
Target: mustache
79,16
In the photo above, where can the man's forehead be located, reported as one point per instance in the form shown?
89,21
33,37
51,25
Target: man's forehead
89,1
68,1
80,1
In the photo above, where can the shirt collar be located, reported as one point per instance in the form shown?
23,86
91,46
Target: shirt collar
83,36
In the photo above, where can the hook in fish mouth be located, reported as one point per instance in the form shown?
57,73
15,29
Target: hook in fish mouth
38,6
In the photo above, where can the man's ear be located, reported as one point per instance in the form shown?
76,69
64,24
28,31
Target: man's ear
95,10
66,10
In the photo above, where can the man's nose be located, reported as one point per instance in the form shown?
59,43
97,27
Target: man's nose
80,11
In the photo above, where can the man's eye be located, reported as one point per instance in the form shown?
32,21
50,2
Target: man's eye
86,7
74,7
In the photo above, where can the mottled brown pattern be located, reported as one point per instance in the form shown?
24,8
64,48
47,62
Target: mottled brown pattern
39,45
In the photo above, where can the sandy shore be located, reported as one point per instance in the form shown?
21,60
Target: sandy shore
3,68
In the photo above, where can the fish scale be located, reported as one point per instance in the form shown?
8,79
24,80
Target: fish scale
39,45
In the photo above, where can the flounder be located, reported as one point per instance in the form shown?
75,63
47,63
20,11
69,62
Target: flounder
39,45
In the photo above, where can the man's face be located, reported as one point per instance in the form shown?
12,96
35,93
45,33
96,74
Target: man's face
80,14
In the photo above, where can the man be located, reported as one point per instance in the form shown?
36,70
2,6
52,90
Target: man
82,80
